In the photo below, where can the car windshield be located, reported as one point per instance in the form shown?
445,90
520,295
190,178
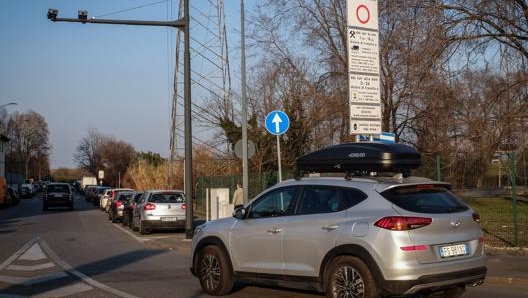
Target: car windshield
58,188
425,199
167,198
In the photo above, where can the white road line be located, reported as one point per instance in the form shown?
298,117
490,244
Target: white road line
30,268
17,254
79,274
27,281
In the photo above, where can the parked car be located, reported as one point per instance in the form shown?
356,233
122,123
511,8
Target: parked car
100,191
13,195
367,236
159,209
115,213
57,195
129,207
25,191
109,196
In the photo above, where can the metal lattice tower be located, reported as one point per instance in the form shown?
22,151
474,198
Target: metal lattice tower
210,71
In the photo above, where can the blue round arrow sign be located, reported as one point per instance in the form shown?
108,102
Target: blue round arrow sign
277,122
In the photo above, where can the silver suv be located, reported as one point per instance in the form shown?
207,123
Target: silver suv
347,237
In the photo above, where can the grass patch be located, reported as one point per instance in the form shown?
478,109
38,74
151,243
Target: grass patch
497,220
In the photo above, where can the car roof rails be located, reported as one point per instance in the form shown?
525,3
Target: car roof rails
359,158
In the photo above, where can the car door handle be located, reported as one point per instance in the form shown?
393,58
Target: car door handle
274,230
330,228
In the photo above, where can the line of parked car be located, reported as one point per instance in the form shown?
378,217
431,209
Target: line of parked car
142,211
12,194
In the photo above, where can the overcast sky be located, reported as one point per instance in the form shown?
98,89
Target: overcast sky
116,79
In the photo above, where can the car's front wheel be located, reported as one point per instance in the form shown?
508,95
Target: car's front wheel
348,276
214,271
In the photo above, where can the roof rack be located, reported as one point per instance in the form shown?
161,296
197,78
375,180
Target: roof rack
359,159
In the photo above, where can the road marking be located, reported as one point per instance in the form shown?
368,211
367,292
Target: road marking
37,249
33,254
30,268
28,281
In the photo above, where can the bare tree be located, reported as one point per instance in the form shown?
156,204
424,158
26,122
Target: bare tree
88,156
29,141
100,152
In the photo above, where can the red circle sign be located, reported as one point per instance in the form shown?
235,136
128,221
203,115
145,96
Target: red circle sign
363,14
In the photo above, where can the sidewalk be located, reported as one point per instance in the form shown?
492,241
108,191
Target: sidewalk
511,270
502,269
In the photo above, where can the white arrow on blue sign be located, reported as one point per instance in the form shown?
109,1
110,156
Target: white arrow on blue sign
277,122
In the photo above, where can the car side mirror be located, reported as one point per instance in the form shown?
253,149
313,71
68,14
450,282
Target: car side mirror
239,213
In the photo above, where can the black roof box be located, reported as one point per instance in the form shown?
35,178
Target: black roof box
360,157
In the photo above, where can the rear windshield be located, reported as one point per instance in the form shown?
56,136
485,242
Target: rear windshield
167,198
425,199
58,188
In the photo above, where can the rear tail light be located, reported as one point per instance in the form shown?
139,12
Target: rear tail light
150,206
414,247
402,223
476,217
184,206
118,204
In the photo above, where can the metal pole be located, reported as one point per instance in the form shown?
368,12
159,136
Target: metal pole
189,226
279,158
245,180
514,197
182,24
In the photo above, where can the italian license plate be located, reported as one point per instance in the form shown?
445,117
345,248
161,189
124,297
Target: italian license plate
453,250
169,219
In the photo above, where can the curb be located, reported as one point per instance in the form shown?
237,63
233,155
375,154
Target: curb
500,280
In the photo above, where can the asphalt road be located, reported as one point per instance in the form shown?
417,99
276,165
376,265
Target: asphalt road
80,253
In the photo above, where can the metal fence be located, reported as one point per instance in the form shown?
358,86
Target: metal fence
504,215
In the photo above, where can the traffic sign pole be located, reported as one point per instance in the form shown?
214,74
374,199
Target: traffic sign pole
279,158
277,123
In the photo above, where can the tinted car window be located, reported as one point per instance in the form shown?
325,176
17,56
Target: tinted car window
425,199
58,188
323,199
273,203
167,198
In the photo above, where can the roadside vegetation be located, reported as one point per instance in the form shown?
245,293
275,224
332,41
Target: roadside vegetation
498,216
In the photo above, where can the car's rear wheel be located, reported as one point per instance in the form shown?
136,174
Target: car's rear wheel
449,293
348,276
133,225
142,228
214,271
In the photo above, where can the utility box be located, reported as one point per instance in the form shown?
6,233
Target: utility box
218,205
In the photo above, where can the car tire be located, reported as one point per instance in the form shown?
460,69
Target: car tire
449,293
124,220
133,225
70,207
214,271
348,276
142,229
45,207
113,216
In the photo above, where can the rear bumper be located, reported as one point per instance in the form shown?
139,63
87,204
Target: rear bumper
158,224
436,282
